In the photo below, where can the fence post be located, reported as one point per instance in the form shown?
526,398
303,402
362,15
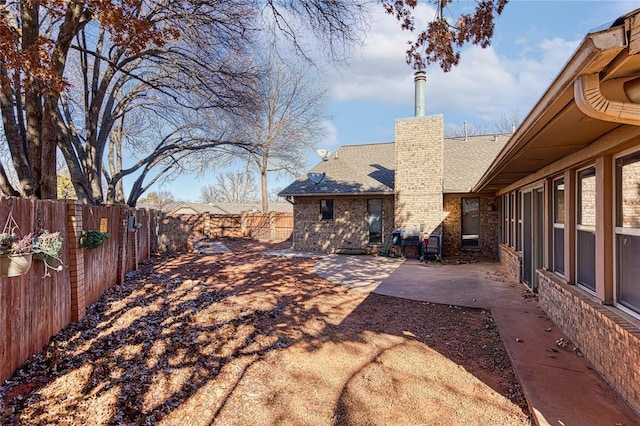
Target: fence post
135,242
76,260
273,216
122,244
207,225
243,224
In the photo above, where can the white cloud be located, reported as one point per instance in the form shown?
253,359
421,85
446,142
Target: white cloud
379,71
487,83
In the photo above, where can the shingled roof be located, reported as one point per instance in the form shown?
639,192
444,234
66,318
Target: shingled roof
353,169
370,168
465,161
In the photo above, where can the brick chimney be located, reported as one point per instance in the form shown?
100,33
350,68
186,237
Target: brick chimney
419,167
420,79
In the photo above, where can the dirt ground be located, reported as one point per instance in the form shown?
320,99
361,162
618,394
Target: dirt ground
246,339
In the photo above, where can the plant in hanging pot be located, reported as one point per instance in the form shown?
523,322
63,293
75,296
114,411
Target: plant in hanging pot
47,246
93,239
15,254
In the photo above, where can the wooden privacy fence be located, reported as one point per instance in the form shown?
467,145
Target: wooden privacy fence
272,226
175,232
34,307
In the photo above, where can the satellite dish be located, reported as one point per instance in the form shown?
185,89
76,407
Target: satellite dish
316,178
323,153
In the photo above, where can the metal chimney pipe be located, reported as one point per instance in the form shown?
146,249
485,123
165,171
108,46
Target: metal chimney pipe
420,79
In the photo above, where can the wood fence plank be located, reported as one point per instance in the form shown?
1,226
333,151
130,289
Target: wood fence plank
34,307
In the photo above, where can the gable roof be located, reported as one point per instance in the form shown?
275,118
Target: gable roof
370,168
353,169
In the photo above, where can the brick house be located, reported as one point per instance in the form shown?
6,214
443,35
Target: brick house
421,183
569,188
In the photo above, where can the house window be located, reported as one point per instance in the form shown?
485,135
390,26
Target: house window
374,210
586,229
628,231
519,222
505,219
470,222
512,218
558,226
326,209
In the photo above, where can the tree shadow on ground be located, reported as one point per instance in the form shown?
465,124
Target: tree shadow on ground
246,338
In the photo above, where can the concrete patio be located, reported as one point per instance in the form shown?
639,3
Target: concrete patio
560,385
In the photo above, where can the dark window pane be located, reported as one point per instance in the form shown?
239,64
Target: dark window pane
586,259
470,222
519,223
374,208
629,271
326,209
527,243
558,250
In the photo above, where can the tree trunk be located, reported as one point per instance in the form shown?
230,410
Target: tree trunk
263,187
48,149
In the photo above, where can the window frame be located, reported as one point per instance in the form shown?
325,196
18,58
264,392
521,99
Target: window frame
378,238
467,243
519,221
621,231
584,229
326,209
558,225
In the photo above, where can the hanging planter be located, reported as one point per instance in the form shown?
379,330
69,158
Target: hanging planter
48,248
16,253
93,239
13,265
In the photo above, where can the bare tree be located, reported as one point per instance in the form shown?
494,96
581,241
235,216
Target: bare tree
159,199
273,194
122,46
231,187
507,123
465,129
35,40
287,120
504,124
120,91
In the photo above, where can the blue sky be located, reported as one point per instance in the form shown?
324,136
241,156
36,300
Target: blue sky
533,40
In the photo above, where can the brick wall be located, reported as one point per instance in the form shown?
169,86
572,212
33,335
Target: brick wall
419,173
511,260
349,229
452,228
608,341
